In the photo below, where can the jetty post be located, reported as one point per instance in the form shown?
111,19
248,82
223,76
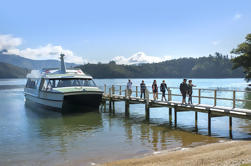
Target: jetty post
104,95
196,120
234,98
169,92
230,117
147,108
215,97
136,91
113,102
209,121
105,89
196,113
230,128
110,99
126,103
199,92
175,116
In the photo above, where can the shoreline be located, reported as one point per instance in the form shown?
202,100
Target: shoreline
228,153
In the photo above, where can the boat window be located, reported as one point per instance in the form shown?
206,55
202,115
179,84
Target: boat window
88,83
32,83
47,86
71,82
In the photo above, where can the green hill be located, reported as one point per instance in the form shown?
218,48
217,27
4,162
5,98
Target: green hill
217,66
11,71
29,63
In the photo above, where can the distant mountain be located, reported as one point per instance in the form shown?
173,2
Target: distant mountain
29,63
11,71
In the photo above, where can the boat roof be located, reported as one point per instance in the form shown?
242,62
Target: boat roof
54,73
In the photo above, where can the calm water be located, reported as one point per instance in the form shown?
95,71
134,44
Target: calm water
33,136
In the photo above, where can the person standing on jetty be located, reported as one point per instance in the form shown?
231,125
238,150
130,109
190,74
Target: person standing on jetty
183,90
142,89
129,88
163,89
190,91
155,90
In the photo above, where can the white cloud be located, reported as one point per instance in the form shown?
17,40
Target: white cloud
237,16
49,51
9,42
139,57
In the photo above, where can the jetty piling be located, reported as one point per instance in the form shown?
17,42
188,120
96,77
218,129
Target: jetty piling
214,110
209,122
175,116
196,120
230,127
147,108
170,116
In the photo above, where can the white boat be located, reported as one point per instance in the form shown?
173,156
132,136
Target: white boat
60,88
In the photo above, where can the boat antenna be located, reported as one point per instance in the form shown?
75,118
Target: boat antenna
63,68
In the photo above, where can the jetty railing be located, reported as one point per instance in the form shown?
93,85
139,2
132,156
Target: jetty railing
215,97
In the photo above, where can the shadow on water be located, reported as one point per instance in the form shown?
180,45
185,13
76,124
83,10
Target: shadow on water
160,132
157,135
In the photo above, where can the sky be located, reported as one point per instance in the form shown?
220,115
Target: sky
128,32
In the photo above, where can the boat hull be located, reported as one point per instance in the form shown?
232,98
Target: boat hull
38,105
90,100
69,102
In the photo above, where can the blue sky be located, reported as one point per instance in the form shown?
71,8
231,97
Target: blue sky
99,30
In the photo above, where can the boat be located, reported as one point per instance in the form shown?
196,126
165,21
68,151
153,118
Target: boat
61,89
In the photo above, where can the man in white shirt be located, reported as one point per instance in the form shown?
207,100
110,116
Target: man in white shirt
129,88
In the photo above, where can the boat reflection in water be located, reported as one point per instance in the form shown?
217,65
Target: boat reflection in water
62,132
75,121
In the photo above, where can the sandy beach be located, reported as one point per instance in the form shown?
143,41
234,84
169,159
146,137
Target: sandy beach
230,153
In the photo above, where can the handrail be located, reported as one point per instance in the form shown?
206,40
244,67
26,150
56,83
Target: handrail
207,89
119,91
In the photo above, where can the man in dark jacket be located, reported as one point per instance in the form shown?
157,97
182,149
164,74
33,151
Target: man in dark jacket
183,90
163,89
142,89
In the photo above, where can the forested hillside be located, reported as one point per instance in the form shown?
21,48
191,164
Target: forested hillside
217,66
11,71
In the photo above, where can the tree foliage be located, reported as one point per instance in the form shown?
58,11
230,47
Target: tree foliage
11,71
244,58
218,66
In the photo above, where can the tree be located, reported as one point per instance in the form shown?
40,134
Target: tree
112,63
214,66
244,60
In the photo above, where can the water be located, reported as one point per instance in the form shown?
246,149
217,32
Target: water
34,136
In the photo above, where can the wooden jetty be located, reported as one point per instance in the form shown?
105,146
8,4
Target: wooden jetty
214,110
